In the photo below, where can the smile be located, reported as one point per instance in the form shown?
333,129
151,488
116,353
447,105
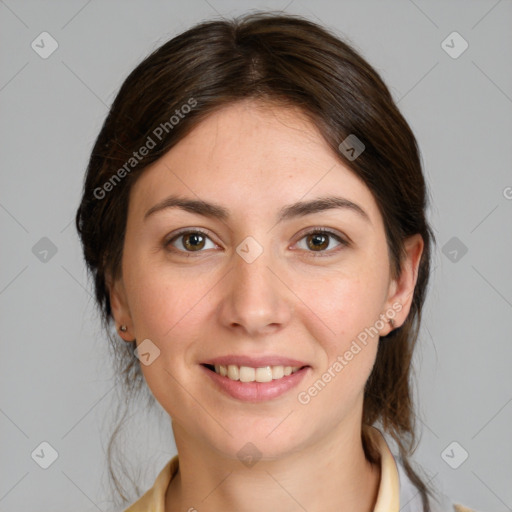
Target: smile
250,374
254,383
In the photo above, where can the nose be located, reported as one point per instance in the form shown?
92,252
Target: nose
256,299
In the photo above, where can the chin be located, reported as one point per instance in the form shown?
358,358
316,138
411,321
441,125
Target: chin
258,443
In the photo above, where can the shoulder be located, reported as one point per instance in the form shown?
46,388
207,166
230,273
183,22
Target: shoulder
154,498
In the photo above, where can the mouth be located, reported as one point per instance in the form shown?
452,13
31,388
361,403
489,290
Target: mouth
253,374
257,383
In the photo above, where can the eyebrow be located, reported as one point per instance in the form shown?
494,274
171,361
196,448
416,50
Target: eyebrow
298,209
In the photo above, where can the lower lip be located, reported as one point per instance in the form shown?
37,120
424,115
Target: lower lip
257,391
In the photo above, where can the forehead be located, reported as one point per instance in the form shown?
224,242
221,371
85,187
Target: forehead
254,158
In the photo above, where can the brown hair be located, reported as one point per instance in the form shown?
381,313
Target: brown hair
290,61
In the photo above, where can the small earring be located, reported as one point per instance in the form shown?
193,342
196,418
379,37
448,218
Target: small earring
392,323
123,328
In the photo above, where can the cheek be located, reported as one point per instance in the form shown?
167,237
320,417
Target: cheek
164,308
348,312
350,352
347,305
342,318
161,301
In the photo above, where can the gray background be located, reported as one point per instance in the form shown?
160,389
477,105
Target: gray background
55,379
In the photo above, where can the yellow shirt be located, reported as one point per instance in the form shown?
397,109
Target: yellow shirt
388,497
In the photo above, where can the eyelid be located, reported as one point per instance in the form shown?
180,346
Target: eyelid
183,231
321,229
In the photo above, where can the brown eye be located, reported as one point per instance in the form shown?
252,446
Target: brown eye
320,240
193,241
189,241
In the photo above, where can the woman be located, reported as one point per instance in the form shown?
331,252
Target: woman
254,218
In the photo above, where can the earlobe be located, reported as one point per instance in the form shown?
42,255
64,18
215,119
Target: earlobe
119,308
402,289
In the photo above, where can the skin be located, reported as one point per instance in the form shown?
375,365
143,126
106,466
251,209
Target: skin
253,159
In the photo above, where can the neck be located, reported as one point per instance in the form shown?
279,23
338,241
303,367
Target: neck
333,474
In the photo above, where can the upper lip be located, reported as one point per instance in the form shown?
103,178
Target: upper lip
255,362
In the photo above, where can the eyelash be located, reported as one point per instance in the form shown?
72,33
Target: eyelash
314,231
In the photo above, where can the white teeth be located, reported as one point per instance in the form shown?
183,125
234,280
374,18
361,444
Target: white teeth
233,372
277,372
222,370
249,374
264,374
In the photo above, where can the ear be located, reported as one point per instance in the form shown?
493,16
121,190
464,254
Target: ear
401,289
119,307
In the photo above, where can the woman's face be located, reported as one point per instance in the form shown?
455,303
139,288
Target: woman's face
256,287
